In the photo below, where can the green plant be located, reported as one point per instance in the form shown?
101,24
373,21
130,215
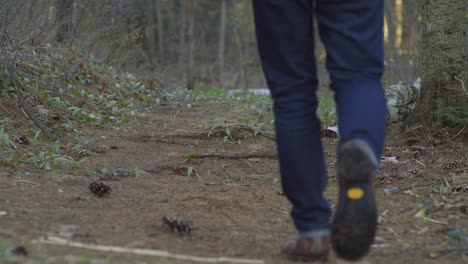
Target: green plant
50,158
452,115
462,16
4,138
457,234
191,156
12,160
34,136
82,144
190,171
137,172
444,189
326,110
5,248
227,135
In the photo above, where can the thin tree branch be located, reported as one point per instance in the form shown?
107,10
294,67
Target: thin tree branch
462,83
20,99
145,252
22,104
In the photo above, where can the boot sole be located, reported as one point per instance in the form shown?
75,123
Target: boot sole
355,221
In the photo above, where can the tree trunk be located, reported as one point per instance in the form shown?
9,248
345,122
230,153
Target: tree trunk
410,38
190,44
160,30
395,65
444,61
64,21
222,38
152,34
182,31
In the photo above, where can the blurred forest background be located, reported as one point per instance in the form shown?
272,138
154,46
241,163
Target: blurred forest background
186,42
208,43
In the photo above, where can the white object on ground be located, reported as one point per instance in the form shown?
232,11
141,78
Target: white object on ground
401,100
258,91
334,129
390,159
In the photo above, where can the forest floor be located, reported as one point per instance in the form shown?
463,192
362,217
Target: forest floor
201,162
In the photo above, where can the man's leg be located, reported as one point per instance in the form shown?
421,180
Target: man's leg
286,45
352,32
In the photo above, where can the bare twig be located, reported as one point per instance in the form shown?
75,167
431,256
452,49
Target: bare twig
398,189
13,16
26,182
462,83
22,104
19,95
4,109
461,131
145,252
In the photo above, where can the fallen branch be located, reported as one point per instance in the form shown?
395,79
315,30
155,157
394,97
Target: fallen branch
51,240
176,167
231,131
393,190
454,249
156,139
459,133
262,154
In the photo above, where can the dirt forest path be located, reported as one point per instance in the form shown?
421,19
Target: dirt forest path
236,204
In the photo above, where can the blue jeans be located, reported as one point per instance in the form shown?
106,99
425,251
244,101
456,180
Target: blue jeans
352,32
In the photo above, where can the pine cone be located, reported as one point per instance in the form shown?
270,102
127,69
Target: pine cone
180,226
450,165
100,189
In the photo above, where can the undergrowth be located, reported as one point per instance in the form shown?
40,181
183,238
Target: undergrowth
67,91
261,105
453,116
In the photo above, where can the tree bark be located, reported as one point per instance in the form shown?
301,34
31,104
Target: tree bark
190,44
390,15
160,30
444,61
152,34
222,37
411,38
182,33
64,21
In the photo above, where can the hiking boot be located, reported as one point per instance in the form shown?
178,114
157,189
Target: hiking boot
305,248
355,221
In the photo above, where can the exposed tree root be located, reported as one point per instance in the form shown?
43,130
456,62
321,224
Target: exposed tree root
266,153
180,168
158,139
233,132
183,167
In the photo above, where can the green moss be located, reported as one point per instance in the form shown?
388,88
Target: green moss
191,156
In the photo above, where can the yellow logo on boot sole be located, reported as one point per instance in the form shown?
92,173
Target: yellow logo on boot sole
355,193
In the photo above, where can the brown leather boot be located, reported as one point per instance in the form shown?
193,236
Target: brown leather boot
302,248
